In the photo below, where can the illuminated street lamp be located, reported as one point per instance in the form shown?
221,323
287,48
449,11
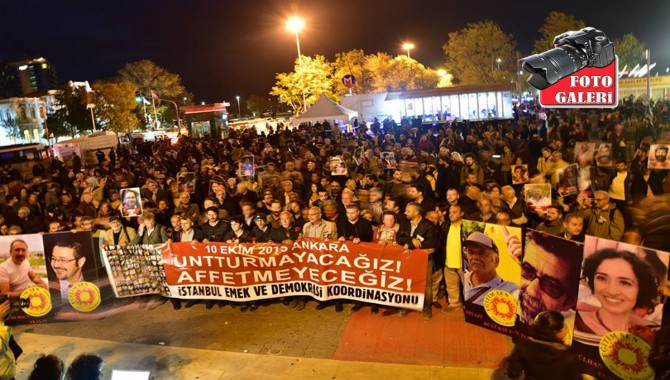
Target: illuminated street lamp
408,46
441,72
296,25
239,110
498,61
91,106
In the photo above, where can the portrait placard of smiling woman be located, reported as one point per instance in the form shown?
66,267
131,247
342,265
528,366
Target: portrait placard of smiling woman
620,290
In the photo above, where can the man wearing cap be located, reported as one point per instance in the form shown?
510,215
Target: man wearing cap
317,227
261,231
118,234
483,257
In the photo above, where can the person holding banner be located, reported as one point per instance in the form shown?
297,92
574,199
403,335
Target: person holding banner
544,356
187,233
237,234
317,227
150,232
118,234
419,233
353,227
286,233
16,275
214,229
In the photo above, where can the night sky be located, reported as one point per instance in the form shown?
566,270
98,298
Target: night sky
227,48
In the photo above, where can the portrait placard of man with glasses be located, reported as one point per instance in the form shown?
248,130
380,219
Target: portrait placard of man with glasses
550,270
70,261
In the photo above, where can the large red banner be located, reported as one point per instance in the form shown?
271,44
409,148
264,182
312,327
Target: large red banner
324,270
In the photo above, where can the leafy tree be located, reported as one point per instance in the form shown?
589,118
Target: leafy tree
57,127
148,76
13,128
352,62
481,53
71,112
630,51
259,105
311,77
554,24
116,104
381,74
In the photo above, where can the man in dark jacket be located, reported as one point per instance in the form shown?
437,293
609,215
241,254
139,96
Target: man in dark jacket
419,233
151,232
188,233
353,227
214,228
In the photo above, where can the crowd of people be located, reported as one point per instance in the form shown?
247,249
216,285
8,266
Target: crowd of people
316,181
320,182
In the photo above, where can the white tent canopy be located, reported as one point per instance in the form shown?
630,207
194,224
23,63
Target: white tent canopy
325,109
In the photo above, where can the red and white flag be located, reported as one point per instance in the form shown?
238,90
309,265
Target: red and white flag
153,95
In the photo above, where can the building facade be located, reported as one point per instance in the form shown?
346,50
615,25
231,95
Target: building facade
22,77
436,104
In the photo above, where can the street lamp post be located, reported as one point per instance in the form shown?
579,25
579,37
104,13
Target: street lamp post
296,25
91,106
407,46
176,110
239,110
498,61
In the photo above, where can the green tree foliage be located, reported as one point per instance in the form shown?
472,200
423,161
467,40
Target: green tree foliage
381,75
148,76
311,77
554,24
399,73
472,54
259,105
352,62
12,128
630,51
116,104
71,114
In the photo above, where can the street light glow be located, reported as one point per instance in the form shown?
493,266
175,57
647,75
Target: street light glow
295,24
408,46
441,72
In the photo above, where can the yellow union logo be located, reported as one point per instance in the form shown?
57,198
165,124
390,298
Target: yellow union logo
39,301
84,296
500,306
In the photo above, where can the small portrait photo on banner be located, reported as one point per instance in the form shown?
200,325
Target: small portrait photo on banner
584,153
519,174
71,261
338,167
246,168
131,202
186,182
658,156
568,180
621,289
388,160
603,155
550,269
538,196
